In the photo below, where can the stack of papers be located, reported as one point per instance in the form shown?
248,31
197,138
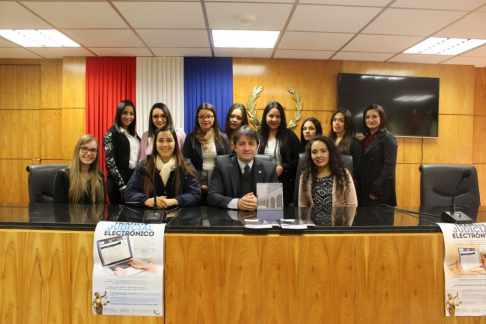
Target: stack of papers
296,224
260,223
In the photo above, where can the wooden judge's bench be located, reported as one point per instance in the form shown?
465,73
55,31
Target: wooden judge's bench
373,266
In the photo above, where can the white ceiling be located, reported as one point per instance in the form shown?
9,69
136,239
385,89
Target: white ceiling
358,30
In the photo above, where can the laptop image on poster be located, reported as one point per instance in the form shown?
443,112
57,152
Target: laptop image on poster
116,252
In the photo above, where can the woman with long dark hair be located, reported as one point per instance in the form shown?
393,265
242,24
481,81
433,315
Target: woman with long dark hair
342,134
176,183
122,146
159,116
205,143
311,127
82,182
325,182
379,160
282,144
235,118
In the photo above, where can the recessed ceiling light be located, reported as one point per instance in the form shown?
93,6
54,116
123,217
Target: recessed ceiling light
37,38
445,46
245,38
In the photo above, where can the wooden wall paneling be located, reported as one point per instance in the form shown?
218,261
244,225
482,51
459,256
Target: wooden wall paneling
408,69
408,184
20,86
16,212
11,251
454,144
74,82
23,128
51,133
81,252
326,280
73,127
479,139
51,83
280,276
15,176
6,61
315,81
193,276
480,92
240,284
399,278
481,169
456,89
409,150
46,277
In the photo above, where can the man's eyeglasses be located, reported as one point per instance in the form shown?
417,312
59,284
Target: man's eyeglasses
85,150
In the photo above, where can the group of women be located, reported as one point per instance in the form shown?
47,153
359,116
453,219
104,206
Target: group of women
177,162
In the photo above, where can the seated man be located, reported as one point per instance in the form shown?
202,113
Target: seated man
233,184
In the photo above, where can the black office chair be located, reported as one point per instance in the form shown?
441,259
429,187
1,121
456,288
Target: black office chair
437,182
264,157
41,181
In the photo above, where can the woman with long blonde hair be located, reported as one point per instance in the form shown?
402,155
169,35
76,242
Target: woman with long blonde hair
82,182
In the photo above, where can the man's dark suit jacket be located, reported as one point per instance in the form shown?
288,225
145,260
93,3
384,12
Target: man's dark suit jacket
225,181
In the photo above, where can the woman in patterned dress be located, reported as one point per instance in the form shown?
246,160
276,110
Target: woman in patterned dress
325,182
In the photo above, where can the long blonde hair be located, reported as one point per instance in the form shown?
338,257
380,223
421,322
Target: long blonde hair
77,185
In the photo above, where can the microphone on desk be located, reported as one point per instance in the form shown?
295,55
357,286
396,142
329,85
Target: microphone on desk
452,215
153,216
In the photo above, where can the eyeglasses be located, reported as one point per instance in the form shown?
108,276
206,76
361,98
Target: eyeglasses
205,117
157,117
85,150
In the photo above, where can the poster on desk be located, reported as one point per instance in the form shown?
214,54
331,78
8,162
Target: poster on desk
128,269
465,269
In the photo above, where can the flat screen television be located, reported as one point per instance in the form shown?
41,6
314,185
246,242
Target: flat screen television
411,103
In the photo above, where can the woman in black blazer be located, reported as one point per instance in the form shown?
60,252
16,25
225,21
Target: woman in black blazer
342,134
282,144
122,146
205,143
378,163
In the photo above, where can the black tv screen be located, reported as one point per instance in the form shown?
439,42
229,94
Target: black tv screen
411,103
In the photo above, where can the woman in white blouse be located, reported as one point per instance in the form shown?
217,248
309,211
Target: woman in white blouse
122,146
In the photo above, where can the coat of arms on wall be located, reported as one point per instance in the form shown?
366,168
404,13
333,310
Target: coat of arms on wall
253,113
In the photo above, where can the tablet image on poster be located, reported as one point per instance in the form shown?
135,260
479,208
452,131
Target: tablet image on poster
128,269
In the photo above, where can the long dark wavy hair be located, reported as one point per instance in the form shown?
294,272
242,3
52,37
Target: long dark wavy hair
179,162
317,125
216,128
350,131
383,122
119,110
244,120
283,137
336,165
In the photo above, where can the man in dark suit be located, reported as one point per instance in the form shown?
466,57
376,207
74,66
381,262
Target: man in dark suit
233,184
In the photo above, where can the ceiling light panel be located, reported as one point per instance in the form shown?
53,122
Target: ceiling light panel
444,46
37,38
244,38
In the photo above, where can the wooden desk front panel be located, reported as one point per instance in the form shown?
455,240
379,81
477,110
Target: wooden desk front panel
380,278
46,279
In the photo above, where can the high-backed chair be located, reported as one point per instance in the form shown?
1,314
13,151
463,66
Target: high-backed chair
41,181
264,157
437,183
